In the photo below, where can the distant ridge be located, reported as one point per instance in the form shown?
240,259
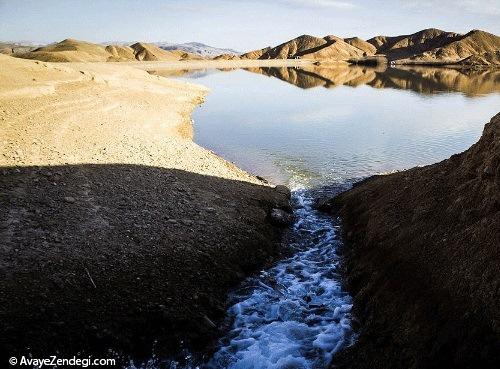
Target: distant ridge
428,46
203,50
71,50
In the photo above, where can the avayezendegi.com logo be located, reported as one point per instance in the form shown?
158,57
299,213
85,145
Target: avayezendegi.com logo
54,361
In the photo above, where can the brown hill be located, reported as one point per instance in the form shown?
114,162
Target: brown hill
422,258
291,49
367,48
68,50
474,43
334,49
149,52
310,47
226,57
490,58
71,50
120,53
400,47
255,54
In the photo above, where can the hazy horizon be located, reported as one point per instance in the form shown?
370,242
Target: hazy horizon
240,25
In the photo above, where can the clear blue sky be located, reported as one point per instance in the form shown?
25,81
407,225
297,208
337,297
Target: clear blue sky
238,24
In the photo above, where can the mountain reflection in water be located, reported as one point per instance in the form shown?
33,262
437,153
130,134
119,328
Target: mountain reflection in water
423,80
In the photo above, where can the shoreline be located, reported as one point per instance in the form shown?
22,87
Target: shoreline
119,230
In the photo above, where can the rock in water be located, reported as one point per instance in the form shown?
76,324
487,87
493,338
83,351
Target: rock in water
281,218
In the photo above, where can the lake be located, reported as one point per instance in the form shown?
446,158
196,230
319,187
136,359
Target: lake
321,125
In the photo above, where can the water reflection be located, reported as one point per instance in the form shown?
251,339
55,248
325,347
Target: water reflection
423,80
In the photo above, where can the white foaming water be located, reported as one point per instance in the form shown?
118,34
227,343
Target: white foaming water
294,315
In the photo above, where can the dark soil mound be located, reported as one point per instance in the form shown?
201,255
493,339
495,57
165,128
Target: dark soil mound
423,262
115,256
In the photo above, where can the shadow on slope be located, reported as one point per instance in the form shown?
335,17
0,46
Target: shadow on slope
115,256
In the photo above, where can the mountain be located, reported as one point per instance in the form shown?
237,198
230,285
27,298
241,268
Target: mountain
367,48
399,47
334,49
71,50
474,43
255,54
429,46
310,47
291,49
434,45
197,48
150,52
68,50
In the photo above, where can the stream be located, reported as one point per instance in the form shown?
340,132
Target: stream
296,314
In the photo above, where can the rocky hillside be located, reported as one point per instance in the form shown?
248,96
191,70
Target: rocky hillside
474,43
255,54
399,47
428,46
422,260
491,58
310,47
150,52
71,50
363,45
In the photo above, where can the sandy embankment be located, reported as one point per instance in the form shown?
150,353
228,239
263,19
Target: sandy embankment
423,262
116,228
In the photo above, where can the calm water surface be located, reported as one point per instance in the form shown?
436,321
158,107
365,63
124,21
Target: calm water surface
322,128
316,135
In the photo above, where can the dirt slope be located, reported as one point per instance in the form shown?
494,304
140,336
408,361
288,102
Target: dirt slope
150,52
422,260
367,47
255,54
226,57
70,50
116,228
335,49
474,43
120,53
292,48
434,45
490,58
401,47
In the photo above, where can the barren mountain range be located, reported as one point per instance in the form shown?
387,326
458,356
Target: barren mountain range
429,46
424,47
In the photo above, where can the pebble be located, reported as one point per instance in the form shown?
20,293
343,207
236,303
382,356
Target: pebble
69,199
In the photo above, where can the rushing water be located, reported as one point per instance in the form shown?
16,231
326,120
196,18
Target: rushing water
294,315
338,126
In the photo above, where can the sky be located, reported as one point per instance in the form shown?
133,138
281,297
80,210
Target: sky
239,24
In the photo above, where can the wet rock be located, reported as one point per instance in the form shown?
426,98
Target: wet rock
281,218
327,205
